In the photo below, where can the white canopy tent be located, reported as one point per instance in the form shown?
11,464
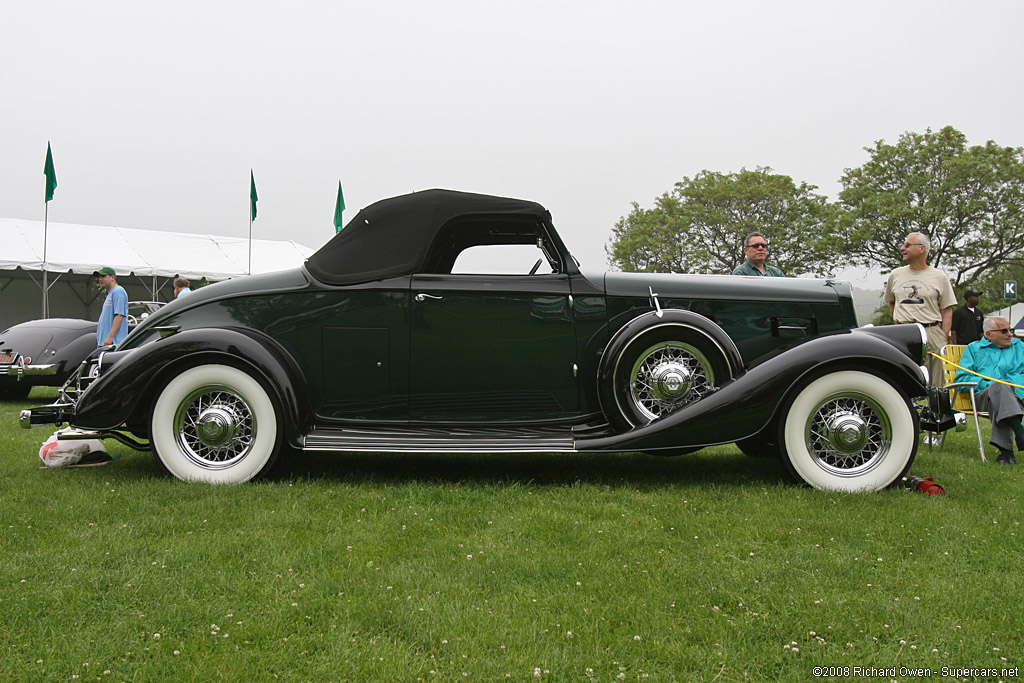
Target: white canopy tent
145,262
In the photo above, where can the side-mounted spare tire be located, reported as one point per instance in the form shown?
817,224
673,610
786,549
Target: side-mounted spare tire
216,424
655,365
850,431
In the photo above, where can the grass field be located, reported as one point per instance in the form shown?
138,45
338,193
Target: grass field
706,567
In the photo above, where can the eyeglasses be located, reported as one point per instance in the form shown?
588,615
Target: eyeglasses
758,245
1004,330
912,244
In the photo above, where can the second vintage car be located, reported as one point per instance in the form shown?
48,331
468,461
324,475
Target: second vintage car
399,335
46,352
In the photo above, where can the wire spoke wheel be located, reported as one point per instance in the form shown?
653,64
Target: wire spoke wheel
215,423
849,431
848,434
215,426
668,376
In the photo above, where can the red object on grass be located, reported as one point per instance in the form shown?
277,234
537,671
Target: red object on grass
925,485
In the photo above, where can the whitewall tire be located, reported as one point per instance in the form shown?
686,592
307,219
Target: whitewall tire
215,424
849,431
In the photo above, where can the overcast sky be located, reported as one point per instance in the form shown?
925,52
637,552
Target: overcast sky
157,111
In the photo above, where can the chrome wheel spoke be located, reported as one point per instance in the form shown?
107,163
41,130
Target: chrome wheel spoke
215,426
848,434
668,376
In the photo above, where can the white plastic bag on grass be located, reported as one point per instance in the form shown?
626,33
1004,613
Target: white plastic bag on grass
56,453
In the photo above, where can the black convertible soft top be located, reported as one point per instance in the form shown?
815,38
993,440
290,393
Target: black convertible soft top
393,236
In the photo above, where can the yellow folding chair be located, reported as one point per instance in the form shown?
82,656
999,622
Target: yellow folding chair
962,392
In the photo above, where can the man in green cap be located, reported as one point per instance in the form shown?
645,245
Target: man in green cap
112,327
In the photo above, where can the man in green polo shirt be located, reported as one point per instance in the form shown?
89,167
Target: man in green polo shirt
755,249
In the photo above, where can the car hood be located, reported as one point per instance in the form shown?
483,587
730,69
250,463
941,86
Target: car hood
726,287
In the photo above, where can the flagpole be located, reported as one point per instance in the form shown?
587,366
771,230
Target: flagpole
51,185
46,288
249,269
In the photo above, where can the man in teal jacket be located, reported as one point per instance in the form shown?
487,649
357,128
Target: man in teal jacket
1000,356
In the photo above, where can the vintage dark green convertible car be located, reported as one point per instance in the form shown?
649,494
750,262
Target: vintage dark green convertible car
398,336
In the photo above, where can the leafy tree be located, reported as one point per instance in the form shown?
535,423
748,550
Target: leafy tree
882,315
699,226
968,200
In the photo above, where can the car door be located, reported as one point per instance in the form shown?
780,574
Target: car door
492,348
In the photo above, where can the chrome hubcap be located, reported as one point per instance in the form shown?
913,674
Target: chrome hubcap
215,427
670,380
668,376
848,434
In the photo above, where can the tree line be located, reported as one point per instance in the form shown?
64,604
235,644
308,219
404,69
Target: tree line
967,199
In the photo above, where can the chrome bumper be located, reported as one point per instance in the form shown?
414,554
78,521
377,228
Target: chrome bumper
19,369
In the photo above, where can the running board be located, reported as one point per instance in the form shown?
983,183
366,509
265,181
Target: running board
441,440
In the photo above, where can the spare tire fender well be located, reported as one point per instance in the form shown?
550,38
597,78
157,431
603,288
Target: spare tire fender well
693,324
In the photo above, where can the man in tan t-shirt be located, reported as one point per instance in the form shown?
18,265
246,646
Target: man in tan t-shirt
918,293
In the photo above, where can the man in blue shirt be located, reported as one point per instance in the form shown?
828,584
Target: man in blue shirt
113,326
755,251
181,287
999,356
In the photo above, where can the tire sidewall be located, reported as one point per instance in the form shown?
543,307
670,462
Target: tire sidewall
164,438
898,410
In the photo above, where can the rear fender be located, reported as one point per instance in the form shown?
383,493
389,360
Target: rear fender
124,392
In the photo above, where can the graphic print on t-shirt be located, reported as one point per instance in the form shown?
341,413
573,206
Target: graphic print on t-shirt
912,296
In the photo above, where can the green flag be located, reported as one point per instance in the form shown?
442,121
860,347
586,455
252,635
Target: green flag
252,196
51,175
338,209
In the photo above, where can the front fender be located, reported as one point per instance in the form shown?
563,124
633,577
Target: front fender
751,402
124,393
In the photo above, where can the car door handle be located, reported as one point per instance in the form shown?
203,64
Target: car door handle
423,297
793,328
792,331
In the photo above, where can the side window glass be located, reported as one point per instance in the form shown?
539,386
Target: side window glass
502,259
